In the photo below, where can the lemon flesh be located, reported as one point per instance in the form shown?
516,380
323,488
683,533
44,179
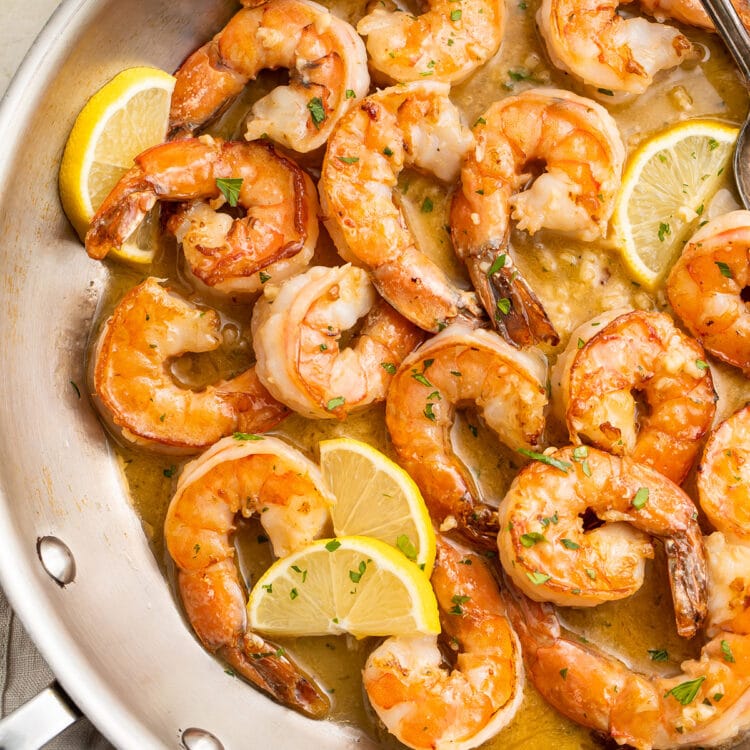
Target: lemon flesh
125,117
375,497
666,188
349,584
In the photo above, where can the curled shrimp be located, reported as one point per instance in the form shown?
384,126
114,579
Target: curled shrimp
446,43
275,238
591,41
706,287
429,703
706,705
549,555
327,65
137,393
297,330
604,367
457,368
238,476
724,477
415,124
580,146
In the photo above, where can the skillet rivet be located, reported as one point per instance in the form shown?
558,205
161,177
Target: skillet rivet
199,739
56,559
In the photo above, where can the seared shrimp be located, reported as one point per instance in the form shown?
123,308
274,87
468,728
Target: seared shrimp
640,353
549,555
240,476
724,477
137,393
579,144
428,703
414,124
276,237
706,705
297,330
461,367
690,12
590,40
327,65
447,42
706,287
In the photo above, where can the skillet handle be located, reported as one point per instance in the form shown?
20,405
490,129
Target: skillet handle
39,720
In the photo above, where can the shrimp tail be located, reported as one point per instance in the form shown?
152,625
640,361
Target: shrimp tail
479,524
515,311
688,576
120,214
270,669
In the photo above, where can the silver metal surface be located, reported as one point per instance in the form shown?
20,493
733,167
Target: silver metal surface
114,636
737,39
200,739
38,721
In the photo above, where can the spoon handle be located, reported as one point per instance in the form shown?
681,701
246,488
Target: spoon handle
732,31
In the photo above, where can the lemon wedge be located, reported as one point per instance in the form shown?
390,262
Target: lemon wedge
666,187
126,116
349,584
375,497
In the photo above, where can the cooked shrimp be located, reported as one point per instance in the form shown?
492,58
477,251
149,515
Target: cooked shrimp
327,65
134,387
549,555
724,477
276,237
580,146
594,43
461,367
690,12
447,42
706,705
428,703
297,331
605,368
239,476
414,124
707,287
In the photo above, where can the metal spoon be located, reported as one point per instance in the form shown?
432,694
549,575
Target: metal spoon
737,39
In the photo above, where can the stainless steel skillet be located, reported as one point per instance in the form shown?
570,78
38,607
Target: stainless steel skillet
113,635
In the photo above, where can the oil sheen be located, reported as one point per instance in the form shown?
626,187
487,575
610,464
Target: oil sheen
574,281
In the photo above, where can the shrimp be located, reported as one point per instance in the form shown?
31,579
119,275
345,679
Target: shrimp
690,12
297,330
580,145
446,43
724,477
548,554
457,368
427,703
637,353
327,65
238,476
592,42
415,124
276,237
707,287
706,705
134,388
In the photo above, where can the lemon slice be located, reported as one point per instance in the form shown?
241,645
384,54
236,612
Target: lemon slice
349,584
375,497
126,116
667,185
